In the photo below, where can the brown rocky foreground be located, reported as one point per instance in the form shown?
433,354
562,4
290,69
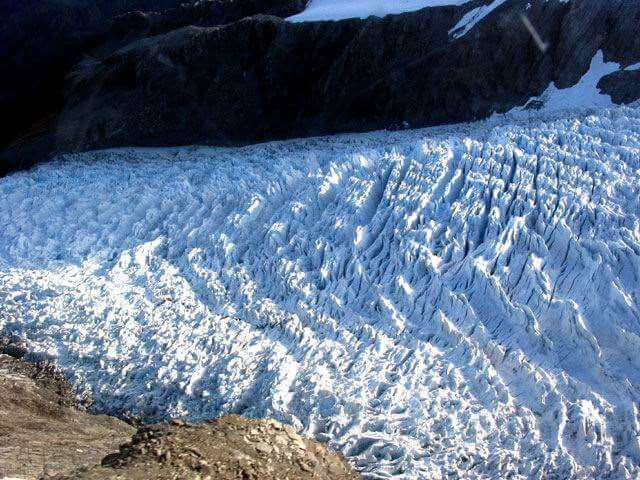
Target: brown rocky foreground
44,433
41,428
230,448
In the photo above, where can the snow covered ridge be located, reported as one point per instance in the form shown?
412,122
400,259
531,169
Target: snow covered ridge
332,10
456,302
325,10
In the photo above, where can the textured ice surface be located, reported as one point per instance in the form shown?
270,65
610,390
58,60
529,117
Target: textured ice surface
458,302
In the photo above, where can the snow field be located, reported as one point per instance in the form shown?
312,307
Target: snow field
331,10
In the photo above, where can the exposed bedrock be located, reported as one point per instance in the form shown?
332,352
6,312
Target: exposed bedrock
623,86
41,40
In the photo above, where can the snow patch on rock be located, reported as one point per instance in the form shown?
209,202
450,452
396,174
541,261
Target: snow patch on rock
473,17
583,94
323,10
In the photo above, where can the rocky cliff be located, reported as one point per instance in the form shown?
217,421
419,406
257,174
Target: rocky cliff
41,41
202,74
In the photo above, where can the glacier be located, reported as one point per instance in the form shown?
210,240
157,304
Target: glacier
453,302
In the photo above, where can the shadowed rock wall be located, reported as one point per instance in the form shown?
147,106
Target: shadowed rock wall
261,78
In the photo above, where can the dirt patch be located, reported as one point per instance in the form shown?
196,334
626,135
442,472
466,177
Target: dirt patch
42,430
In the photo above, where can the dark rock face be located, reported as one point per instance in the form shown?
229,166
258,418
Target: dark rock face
152,83
138,24
589,26
264,78
623,86
41,40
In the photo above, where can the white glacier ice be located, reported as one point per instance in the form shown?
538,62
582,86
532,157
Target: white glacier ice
459,302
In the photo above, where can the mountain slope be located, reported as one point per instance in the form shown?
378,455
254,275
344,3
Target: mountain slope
264,78
41,41
201,73
459,301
